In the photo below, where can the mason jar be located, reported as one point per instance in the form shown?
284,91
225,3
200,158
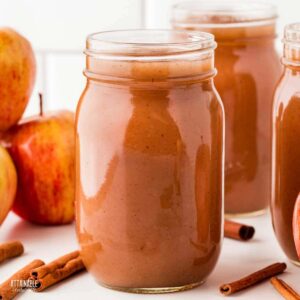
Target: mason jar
248,70
286,144
149,156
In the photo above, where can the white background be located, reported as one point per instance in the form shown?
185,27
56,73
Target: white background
57,30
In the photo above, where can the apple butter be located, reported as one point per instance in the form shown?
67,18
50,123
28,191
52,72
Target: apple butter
286,143
248,70
149,159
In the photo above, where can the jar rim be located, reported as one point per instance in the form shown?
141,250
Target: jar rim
217,13
150,44
292,34
291,43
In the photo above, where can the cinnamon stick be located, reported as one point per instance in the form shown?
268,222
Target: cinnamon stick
57,270
238,231
245,282
14,285
10,250
284,289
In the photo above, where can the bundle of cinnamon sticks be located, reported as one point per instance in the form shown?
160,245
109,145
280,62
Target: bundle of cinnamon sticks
36,275
48,274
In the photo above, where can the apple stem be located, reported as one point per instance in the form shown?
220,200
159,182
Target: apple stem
41,104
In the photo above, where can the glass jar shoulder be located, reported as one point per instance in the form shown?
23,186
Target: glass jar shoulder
103,100
288,88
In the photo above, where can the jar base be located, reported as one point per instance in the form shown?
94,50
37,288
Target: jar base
247,214
294,262
156,290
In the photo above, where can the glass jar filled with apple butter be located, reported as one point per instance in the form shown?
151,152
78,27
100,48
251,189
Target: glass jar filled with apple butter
286,144
248,70
149,155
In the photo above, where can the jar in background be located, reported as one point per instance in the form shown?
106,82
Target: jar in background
149,160
286,143
248,70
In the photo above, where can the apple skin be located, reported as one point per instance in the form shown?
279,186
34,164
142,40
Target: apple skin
8,183
17,76
296,225
43,150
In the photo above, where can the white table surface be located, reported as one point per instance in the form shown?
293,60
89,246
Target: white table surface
237,259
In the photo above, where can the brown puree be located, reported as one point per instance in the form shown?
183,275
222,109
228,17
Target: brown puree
287,174
149,173
248,70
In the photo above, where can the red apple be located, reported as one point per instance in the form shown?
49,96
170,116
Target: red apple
296,225
8,183
42,148
17,76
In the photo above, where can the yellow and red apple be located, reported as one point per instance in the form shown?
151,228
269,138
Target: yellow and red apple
8,183
17,76
42,148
